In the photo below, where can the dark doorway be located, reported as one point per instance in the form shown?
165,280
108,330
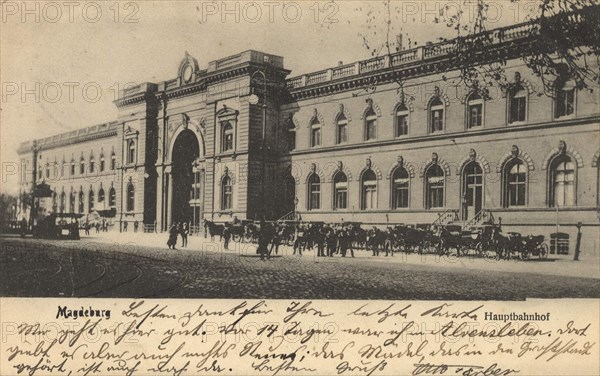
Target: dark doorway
185,151
473,190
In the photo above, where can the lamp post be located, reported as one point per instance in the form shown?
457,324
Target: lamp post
254,100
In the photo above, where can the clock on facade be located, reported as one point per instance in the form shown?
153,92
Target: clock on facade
187,73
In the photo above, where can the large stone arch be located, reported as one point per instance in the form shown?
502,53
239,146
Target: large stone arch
179,124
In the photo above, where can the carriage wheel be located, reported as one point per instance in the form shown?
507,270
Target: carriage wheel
248,237
479,249
236,238
543,251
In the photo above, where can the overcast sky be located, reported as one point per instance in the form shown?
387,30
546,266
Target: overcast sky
51,51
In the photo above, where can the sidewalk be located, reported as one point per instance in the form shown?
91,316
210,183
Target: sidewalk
551,266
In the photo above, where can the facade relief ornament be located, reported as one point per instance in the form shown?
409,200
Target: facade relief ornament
514,151
562,147
340,166
472,155
313,168
369,163
400,161
434,158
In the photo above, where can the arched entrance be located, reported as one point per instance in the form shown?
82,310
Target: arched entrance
187,193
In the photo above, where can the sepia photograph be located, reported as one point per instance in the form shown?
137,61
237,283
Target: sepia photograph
303,188
380,150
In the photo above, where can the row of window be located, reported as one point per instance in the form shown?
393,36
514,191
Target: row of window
517,113
514,186
92,167
59,202
71,167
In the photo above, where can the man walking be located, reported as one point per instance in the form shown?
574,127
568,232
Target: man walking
184,235
226,235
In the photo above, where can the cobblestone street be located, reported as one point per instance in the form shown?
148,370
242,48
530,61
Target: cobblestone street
106,267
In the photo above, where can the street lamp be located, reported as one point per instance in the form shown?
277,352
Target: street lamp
254,99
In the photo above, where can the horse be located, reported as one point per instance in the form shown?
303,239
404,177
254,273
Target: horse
214,229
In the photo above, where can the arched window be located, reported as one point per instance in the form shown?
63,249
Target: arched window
436,115
113,161
102,163
130,197
315,133
368,183
72,168
81,202
314,192
515,183
131,152
400,187
226,193
565,100
91,201
474,111
401,120
101,196
112,198
72,202
341,129
226,136
63,202
517,104
340,189
370,125
47,170
434,187
562,182
92,165
81,166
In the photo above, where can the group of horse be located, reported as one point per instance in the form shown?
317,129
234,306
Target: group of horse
486,240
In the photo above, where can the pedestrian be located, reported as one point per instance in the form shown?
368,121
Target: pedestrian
125,226
263,240
298,239
87,227
331,240
345,241
389,236
276,240
321,241
97,226
184,235
136,225
173,231
226,235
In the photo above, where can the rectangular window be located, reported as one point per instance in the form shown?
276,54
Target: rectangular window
113,162
436,192
73,169
371,129
315,196
475,115
342,136
565,103
400,198
341,196
401,125
316,137
437,120
517,108
102,165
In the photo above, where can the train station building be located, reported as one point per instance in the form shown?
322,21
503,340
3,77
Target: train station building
243,137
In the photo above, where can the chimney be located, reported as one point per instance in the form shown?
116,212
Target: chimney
340,63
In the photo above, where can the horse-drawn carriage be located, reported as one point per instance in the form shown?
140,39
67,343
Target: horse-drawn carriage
526,246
